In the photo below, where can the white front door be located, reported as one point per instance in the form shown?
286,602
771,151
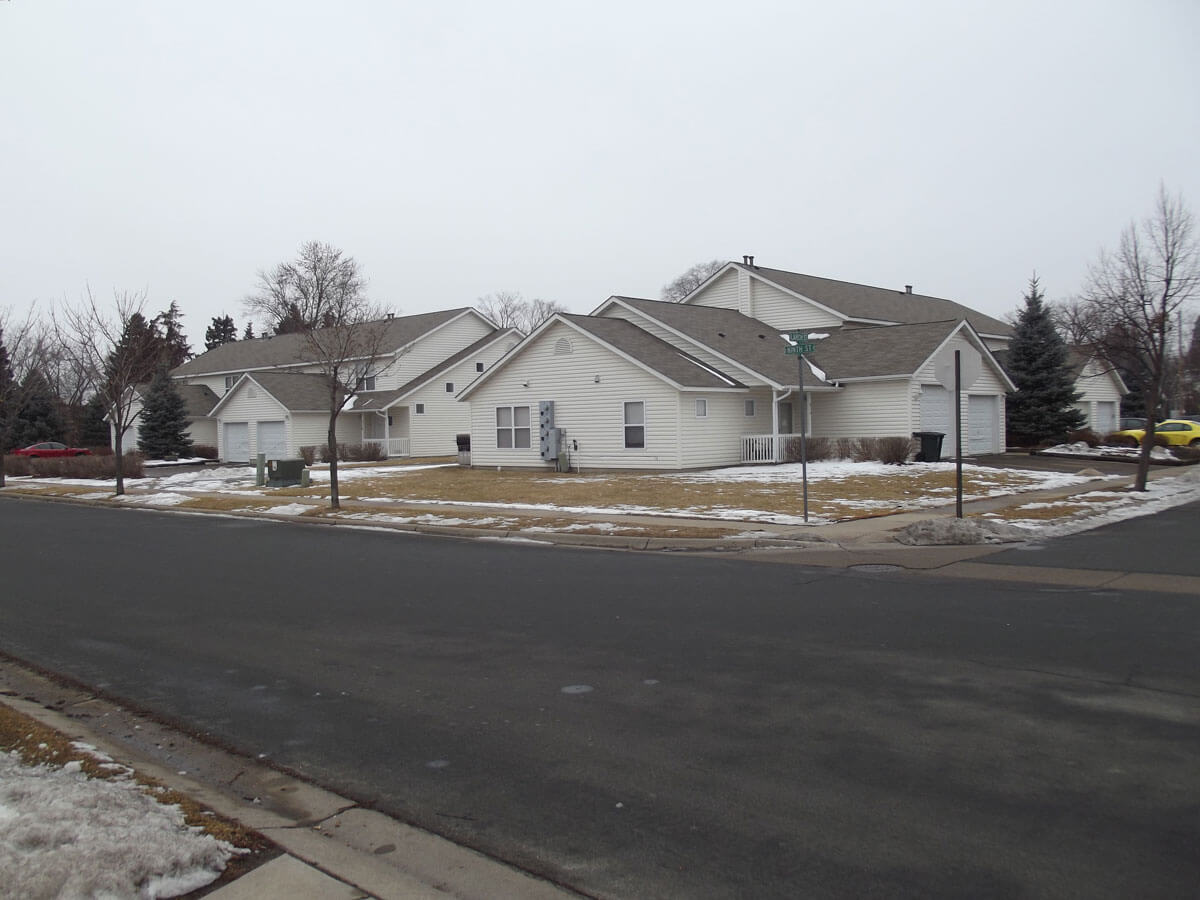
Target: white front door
983,423
272,439
237,442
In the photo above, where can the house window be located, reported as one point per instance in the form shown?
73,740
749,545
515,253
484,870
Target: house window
367,383
635,425
701,409
512,427
449,387
478,367
749,409
229,380
389,421
420,409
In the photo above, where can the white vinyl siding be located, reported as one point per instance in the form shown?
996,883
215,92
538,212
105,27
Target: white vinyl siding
591,412
716,439
1100,398
312,430
863,409
723,292
428,351
784,311
433,432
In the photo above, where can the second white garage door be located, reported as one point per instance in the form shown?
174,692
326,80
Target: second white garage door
983,423
272,439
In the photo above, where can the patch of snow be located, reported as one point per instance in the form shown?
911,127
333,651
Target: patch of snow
189,461
930,532
289,509
66,835
167,498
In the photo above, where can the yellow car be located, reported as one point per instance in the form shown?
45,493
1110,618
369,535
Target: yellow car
1171,431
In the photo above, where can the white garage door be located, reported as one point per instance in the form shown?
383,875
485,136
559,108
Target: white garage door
1106,416
937,414
983,420
272,439
237,442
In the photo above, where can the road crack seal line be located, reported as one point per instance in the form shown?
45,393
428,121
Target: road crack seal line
1126,683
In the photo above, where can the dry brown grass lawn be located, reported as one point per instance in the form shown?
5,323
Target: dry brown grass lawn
829,498
38,744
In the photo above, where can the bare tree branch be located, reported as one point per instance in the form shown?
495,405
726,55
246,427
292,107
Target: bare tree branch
690,280
508,309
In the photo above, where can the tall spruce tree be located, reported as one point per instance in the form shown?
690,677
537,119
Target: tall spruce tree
93,426
1041,408
248,334
8,396
163,431
36,417
221,331
168,327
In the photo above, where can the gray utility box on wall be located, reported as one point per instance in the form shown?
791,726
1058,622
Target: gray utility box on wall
285,472
547,433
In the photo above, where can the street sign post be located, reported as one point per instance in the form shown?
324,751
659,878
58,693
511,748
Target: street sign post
798,344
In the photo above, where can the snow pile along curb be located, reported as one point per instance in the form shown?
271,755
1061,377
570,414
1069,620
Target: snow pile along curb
930,532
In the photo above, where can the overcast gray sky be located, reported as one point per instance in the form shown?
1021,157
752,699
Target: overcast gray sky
571,151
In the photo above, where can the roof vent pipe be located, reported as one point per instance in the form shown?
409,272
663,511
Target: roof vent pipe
750,261
745,260
908,289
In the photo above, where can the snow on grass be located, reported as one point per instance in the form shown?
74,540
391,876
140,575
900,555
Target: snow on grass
1081,448
63,834
166,498
189,461
289,509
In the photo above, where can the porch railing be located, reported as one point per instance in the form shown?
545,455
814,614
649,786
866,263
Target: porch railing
768,448
391,446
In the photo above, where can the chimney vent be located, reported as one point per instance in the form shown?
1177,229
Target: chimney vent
908,289
745,260
751,261
391,315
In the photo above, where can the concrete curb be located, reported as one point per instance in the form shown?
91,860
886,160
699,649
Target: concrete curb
333,847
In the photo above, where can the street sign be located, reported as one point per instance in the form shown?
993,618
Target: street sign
797,349
797,336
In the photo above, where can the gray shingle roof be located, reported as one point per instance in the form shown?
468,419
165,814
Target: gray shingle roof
670,362
290,349
751,343
297,392
880,350
198,399
861,301
382,399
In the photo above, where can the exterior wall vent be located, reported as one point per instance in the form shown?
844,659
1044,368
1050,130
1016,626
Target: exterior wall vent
562,347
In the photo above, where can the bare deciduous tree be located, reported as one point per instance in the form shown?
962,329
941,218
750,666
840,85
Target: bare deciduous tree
508,309
1130,301
115,350
312,291
320,295
690,280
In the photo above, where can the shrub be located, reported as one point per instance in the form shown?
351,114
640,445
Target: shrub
845,448
371,451
1086,435
74,466
309,454
894,451
204,451
1112,439
816,448
1186,453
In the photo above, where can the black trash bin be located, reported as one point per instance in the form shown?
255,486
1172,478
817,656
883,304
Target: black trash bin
931,445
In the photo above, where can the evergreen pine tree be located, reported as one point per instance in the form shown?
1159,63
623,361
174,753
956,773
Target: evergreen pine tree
173,343
93,426
1042,407
248,334
36,418
221,331
8,395
163,431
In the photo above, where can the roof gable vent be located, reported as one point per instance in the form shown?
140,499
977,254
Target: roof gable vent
562,347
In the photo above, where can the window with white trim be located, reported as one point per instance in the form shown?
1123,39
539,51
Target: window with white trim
230,380
420,410
512,428
749,408
635,425
367,383
701,408
449,387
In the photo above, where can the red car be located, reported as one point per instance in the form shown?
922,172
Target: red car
48,449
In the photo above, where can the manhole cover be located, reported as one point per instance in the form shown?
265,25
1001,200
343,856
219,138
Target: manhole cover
875,567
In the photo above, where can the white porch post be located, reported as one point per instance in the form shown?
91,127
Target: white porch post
387,432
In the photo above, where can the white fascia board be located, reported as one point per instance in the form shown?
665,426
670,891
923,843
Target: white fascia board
509,356
769,382
861,321
866,378
508,332
229,393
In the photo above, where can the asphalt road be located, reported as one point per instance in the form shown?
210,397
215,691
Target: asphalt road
652,725
1167,542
